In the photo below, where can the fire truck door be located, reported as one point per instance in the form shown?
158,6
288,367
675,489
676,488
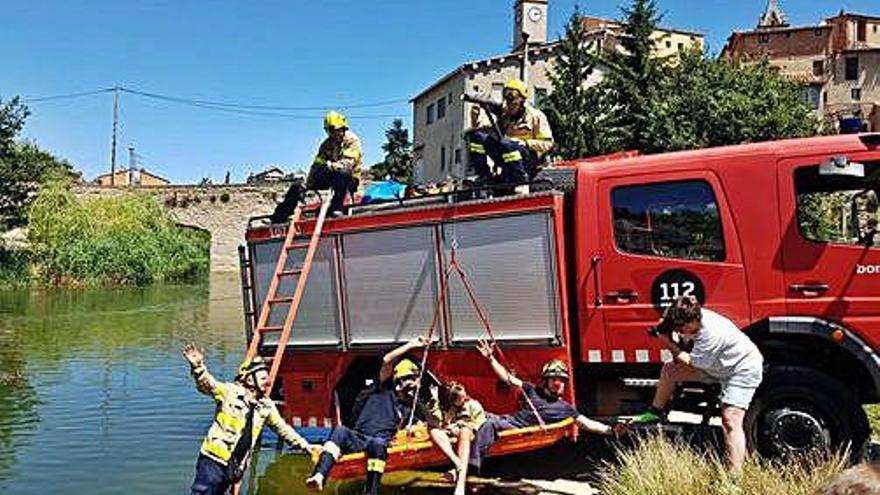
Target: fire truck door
664,236
831,245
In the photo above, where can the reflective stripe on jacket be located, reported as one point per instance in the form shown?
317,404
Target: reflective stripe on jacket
230,418
348,154
531,128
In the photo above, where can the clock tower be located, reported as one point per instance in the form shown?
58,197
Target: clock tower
530,17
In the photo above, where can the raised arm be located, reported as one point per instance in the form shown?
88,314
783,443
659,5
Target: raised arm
205,382
389,359
488,352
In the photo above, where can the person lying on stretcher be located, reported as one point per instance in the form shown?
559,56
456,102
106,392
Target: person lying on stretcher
462,418
545,402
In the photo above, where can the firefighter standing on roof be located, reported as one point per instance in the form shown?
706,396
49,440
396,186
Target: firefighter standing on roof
527,138
242,409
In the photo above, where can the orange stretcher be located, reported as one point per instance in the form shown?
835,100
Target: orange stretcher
417,451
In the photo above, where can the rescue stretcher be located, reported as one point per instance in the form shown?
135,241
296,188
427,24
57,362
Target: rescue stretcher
420,452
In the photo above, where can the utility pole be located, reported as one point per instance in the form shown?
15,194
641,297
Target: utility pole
131,166
113,145
524,70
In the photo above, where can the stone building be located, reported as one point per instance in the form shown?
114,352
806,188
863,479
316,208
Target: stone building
838,59
131,177
440,117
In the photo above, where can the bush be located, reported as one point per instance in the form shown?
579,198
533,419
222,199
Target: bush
14,268
120,240
659,467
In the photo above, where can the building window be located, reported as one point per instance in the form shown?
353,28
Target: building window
825,207
788,35
852,68
813,95
763,38
670,220
442,158
668,44
856,94
441,108
540,97
818,68
862,30
680,46
430,116
817,32
457,156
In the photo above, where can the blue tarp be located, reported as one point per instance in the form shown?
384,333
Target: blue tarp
386,190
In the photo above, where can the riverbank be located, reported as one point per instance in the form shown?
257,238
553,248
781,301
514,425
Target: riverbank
113,241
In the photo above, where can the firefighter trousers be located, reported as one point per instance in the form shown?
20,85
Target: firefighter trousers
517,162
347,440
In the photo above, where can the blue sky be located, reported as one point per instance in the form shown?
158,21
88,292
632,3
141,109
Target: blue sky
277,53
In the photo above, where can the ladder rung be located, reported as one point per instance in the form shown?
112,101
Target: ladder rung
281,300
288,273
298,245
271,329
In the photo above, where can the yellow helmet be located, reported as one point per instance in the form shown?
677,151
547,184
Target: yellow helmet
335,120
405,368
555,368
519,86
249,366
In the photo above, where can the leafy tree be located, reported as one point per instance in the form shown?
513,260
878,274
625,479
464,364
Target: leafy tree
23,165
633,74
581,120
398,162
706,103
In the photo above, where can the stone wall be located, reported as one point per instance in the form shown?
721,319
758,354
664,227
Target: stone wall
221,210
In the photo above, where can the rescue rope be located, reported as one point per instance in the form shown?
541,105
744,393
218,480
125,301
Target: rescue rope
481,314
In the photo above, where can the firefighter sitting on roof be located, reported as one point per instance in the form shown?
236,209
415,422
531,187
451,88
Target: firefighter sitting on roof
242,408
337,166
545,402
386,409
527,138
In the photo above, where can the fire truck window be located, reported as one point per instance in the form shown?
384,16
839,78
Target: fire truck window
671,219
839,209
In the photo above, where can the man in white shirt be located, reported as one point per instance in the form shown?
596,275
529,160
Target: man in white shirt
721,353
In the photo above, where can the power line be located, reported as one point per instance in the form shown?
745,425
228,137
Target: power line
67,96
215,103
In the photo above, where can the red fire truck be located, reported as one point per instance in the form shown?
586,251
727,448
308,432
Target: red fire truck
780,237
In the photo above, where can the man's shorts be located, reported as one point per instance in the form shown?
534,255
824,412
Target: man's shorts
737,394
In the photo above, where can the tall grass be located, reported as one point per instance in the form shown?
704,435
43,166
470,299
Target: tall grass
119,240
658,466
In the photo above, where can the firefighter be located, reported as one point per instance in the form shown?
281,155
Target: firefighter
385,409
527,138
721,353
337,166
242,408
545,400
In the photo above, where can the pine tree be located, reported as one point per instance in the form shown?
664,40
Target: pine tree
578,114
398,162
631,84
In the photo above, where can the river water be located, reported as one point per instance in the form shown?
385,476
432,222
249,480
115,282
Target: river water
96,398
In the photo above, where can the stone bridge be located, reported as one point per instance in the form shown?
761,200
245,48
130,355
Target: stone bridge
221,210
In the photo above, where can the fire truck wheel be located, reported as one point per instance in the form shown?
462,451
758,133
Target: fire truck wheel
799,410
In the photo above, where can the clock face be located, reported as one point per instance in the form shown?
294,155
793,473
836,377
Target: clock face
535,14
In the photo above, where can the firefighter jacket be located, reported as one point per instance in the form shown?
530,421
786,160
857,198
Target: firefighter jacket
348,154
229,421
531,128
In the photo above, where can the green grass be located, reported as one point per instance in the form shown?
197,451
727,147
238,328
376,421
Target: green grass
873,412
658,467
14,269
127,240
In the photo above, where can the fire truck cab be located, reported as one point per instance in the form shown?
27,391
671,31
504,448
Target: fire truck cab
780,237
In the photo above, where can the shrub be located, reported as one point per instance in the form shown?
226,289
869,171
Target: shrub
14,268
658,467
120,240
